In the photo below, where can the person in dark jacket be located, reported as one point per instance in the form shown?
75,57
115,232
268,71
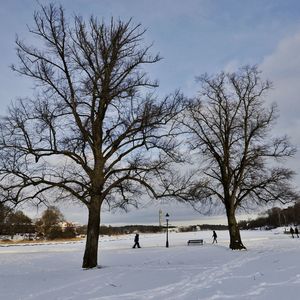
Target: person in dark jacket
292,232
136,241
215,237
296,231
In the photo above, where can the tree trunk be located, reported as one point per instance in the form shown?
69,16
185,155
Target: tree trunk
234,231
90,258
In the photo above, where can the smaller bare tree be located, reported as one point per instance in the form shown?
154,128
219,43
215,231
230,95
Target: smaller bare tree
50,219
231,127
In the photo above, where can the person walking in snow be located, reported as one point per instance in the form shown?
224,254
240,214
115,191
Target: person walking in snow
214,237
296,232
136,241
292,232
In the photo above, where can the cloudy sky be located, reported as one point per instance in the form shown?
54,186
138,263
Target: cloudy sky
193,37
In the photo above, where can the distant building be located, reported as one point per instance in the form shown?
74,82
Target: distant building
65,225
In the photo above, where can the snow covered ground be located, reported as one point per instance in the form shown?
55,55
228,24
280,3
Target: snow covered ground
269,269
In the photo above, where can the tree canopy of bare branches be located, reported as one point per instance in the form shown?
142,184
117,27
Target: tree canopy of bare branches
230,126
95,131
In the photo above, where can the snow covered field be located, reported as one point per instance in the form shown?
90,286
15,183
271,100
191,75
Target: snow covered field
269,269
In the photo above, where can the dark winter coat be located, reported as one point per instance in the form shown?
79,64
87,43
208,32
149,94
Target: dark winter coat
136,238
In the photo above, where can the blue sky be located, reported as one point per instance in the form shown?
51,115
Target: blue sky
193,37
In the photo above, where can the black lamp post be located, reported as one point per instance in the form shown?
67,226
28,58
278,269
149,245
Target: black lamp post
167,219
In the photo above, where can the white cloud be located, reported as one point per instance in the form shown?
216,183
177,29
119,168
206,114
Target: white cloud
232,66
282,67
284,62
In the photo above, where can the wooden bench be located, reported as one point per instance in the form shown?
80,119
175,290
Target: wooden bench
195,242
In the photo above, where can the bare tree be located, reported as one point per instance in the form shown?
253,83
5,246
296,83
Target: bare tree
49,220
95,131
231,126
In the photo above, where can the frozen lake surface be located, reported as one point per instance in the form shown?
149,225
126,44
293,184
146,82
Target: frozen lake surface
269,269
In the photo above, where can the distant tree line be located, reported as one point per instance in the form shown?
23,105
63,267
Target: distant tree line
47,227
129,229
213,227
13,222
275,217
203,227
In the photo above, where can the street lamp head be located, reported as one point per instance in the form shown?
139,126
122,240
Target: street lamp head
167,216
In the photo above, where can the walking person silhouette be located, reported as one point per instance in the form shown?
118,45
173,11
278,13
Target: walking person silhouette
136,241
296,232
215,237
292,232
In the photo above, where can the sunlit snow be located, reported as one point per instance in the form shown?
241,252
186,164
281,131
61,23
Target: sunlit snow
269,269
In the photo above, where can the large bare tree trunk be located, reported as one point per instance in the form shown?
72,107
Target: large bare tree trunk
234,231
90,258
